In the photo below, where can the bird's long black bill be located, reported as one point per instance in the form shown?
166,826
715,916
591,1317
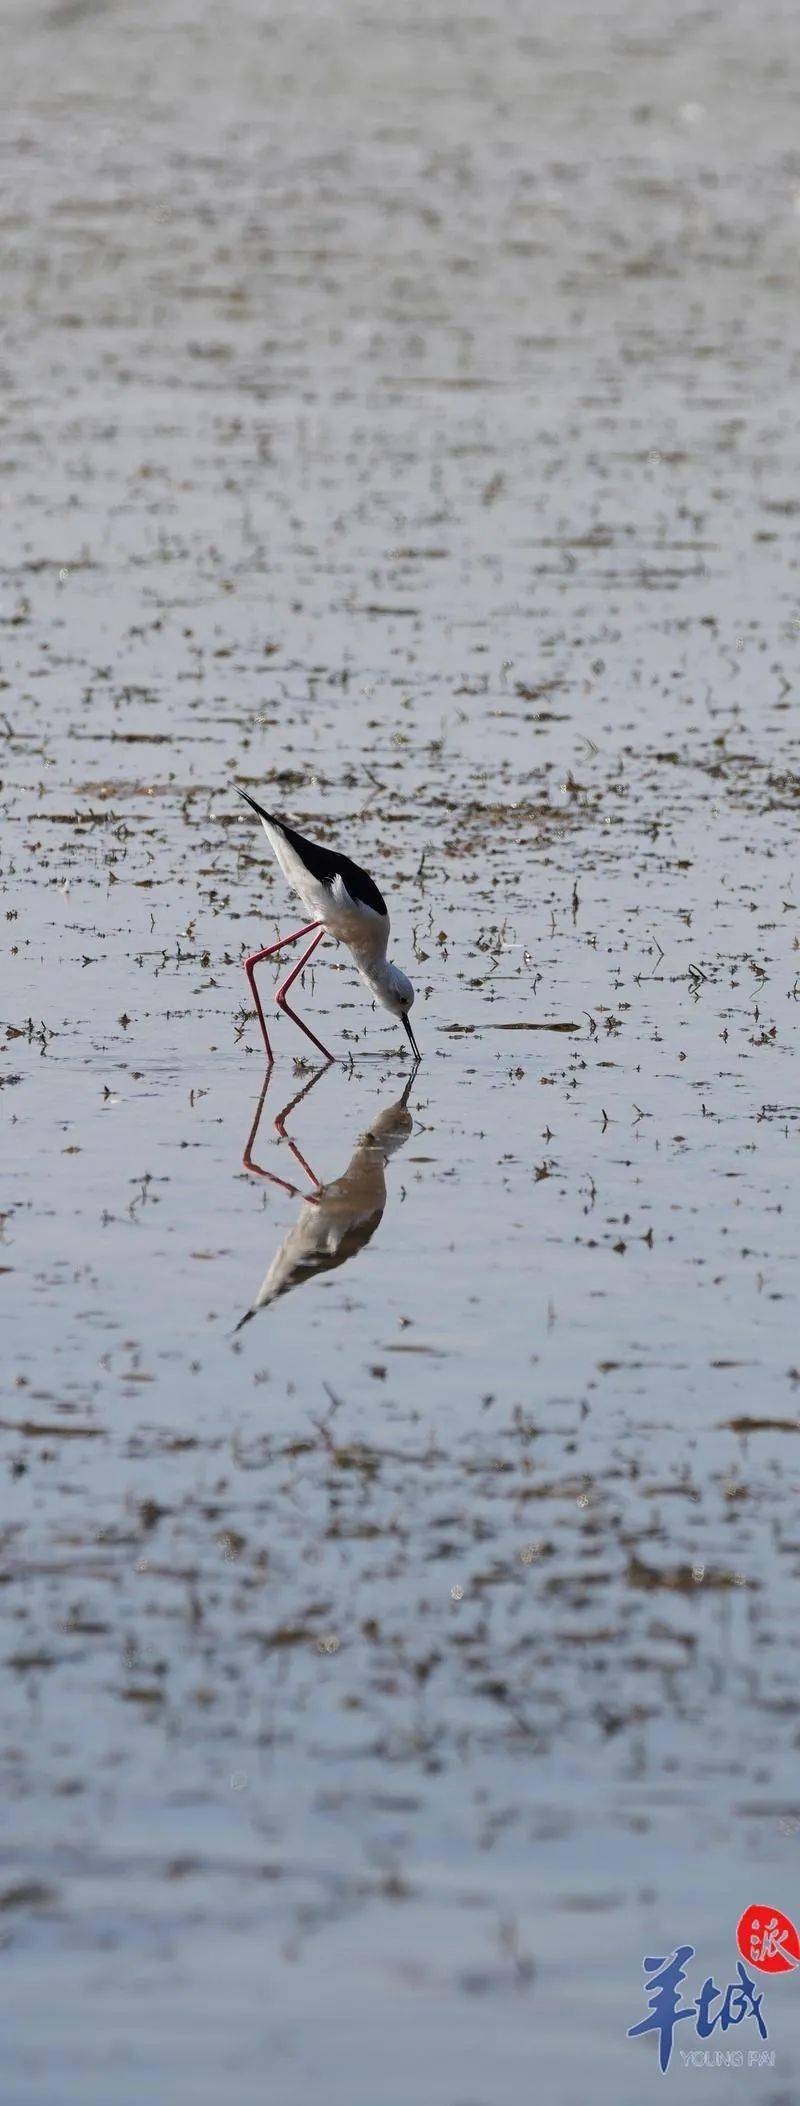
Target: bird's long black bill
410,1035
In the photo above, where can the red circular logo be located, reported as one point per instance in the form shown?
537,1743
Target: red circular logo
768,1940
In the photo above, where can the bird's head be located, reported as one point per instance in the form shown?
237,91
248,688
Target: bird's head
399,998
394,991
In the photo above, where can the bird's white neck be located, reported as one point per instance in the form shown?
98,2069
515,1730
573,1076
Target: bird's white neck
380,978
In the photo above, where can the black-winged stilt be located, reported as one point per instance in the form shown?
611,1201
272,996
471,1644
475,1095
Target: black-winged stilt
336,1220
345,903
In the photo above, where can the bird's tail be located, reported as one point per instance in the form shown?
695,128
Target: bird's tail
257,808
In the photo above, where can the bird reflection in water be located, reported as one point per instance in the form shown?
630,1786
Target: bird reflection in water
336,1220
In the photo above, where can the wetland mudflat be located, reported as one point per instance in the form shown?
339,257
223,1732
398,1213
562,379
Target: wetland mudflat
398,413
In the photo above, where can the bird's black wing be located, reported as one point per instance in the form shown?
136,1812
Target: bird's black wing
324,864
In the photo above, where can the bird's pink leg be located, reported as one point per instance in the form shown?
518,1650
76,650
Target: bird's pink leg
280,1128
257,959
283,991
247,1158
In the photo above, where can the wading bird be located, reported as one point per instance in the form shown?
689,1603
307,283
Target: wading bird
336,1220
345,903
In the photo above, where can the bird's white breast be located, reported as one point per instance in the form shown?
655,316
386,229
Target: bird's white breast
365,932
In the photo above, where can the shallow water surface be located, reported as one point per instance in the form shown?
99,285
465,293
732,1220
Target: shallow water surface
400,1547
